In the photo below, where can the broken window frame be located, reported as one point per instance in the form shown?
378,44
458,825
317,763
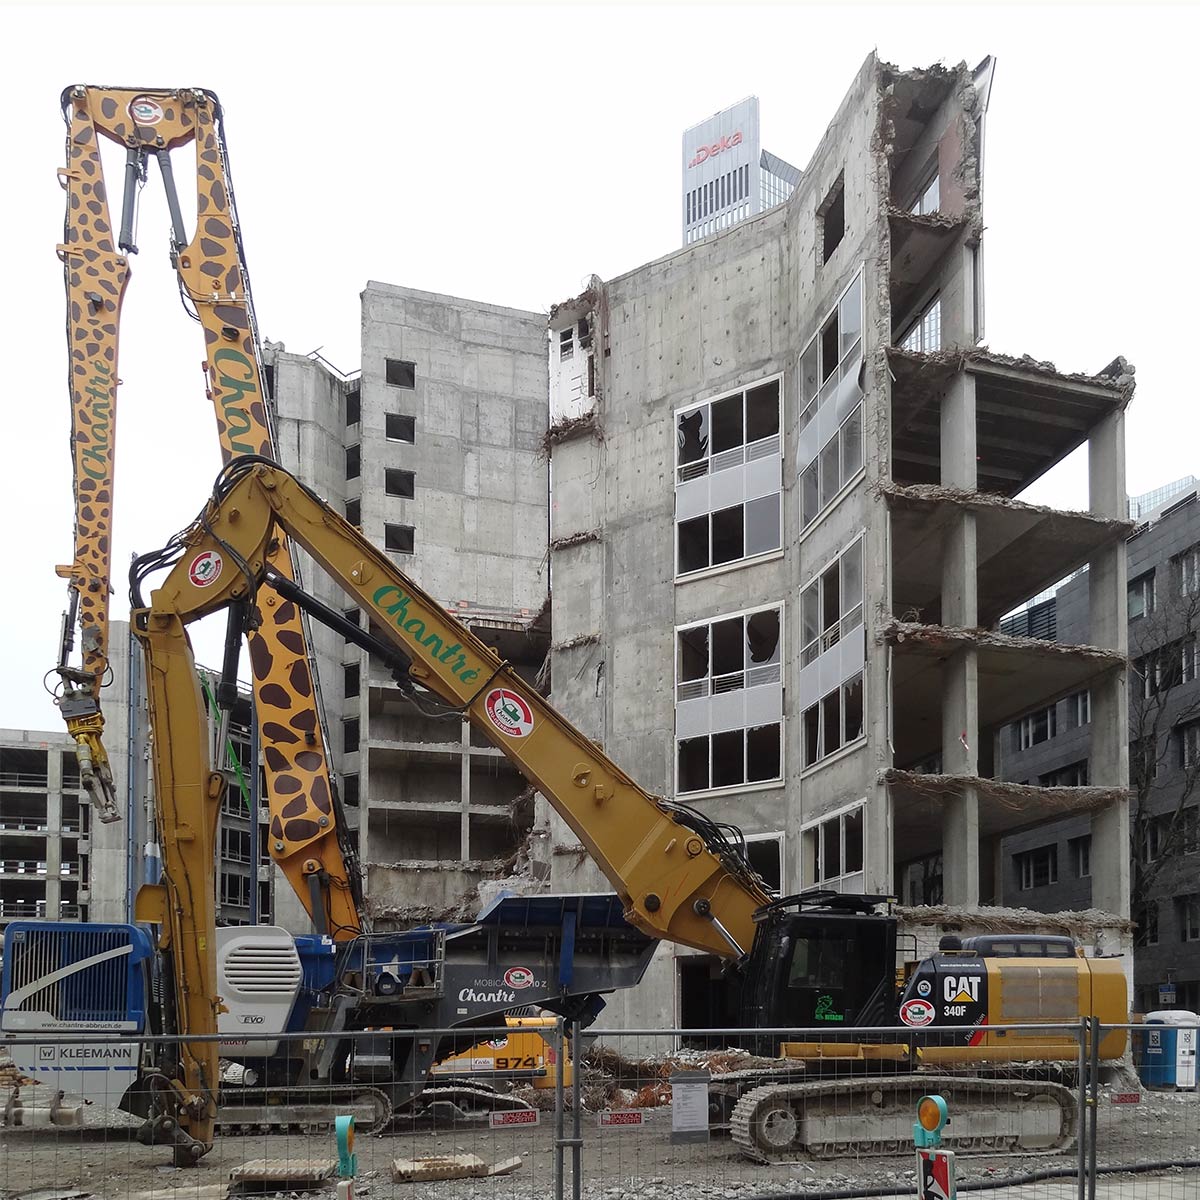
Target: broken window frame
699,687
1036,868
828,634
816,836
825,749
1081,707
710,463
780,840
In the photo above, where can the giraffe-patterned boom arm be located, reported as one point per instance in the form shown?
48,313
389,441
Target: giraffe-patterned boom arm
151,122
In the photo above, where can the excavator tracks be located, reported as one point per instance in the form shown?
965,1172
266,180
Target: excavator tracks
874,1115
370,1107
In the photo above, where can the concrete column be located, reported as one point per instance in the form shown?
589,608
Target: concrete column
959,466
1109,764
54,839
960,813
960,691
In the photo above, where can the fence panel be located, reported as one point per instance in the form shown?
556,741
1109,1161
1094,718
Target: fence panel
482,1125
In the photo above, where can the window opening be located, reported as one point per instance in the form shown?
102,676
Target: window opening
401,373
399,483
353,461
399,538
833,218
400,428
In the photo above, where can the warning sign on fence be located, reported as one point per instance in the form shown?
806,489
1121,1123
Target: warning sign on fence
1127,1097
521,1116
621,1118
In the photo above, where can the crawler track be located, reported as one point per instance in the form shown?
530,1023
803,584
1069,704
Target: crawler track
874,1115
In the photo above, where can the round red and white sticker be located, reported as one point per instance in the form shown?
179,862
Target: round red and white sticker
917,1013
145,111
205,569
508,712
518,977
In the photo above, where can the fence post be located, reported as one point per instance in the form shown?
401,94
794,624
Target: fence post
560,1067
1093,1103
1081,1120
576,1111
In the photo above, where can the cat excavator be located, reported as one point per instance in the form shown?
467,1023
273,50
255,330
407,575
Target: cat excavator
814,961
818,960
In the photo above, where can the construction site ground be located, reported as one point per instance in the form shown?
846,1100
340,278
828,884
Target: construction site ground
103,1159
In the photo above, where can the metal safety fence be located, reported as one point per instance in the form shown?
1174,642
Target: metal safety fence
545,1109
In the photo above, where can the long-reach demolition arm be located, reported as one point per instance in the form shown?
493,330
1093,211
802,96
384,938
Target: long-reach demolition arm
315,855
675,871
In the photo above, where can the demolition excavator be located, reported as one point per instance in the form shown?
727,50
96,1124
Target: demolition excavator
815,961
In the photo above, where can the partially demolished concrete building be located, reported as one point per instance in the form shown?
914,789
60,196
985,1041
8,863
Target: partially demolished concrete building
434,449
784,525
786,522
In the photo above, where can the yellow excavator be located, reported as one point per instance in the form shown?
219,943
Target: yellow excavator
814,961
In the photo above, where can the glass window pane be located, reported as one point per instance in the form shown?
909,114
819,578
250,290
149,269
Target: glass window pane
727,423
693,764
852,827
831,480
810,613
810,502
763,759
852,444
850,315
728,535
808,373
728,758
762,525
762,638
693,545
693,653
691,435
831,607
851,563
762,411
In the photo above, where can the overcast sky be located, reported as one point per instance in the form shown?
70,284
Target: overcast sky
506,154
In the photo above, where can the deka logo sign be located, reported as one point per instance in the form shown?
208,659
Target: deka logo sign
726,142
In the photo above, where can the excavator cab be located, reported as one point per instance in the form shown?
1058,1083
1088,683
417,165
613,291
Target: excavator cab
821,960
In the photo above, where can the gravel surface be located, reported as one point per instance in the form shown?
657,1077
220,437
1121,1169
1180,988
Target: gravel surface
103,1160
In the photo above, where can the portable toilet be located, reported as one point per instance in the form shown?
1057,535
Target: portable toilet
1165,1050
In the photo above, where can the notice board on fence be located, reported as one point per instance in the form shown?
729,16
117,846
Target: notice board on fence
689,1106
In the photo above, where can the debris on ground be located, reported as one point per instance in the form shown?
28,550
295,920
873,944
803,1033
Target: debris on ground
450,1166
